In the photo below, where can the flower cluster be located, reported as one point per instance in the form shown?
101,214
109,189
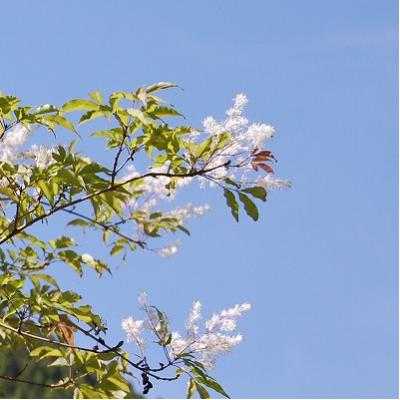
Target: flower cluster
42,155
214,339
237,160
244,144
245,139
133,329
206,344
15,137
12,140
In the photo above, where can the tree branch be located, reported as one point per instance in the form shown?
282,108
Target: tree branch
52,386
89,196
98,340
105,227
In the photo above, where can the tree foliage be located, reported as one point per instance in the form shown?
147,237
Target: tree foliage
15,362
38,184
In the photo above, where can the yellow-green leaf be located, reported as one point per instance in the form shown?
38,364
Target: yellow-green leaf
79,104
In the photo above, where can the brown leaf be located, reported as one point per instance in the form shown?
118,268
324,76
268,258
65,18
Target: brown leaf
260,158
266,154
67,329
266,168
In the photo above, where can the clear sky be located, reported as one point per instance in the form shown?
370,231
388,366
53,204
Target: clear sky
321,265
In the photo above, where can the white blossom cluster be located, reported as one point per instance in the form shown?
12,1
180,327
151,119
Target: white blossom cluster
15,138
183,214
155,188
133,329
246,137
42,155
206,344
11,141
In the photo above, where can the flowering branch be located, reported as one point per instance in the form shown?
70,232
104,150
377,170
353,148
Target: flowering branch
39,182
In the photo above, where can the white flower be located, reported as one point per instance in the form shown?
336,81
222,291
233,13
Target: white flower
244,139
194,316
269,182
210,345
12,140
42,155
43,108
143,298
212,126
169,251
178,344
133,328
182,214
214,341
205,346
259,133
226,319
240,101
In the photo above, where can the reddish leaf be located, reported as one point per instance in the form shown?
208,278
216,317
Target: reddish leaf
266,154
266,168
255,166
260,158
67,329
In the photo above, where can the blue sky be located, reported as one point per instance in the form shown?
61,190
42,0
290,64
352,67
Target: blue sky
321,265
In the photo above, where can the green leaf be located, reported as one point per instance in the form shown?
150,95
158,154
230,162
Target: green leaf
62,242
96,96
202,391
44,277
249,206
160,86
47,191
116,249
135,113
79,104
232,203
89,115
79,222
202,148
183,229
45,351
119,382
44,109
65,123
213,384
257,191
112,134
161,112
231,182
59,362
191,388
